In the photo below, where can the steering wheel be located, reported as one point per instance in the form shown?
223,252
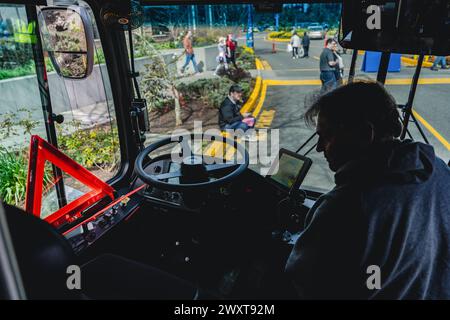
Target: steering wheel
194,172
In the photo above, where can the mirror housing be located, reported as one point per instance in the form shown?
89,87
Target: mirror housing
68,37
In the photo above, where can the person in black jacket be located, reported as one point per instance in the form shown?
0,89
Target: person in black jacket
230,116
305,45
384,231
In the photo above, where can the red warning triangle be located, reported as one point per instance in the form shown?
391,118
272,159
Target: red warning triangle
40,152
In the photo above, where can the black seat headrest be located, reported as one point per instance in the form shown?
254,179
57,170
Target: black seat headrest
42,253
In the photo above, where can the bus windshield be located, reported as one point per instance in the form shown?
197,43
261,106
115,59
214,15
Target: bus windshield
189,56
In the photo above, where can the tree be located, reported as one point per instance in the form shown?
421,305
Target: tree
158,83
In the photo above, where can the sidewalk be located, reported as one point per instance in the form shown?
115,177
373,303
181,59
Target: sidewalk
189,78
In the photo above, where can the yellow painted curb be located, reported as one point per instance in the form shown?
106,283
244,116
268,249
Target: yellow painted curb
266,65
261,100
254,96
259,64
388,82
432,130
421,81
292,82
278,39
251,102
413,62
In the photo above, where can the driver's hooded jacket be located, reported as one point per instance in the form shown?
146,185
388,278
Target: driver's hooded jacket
389,210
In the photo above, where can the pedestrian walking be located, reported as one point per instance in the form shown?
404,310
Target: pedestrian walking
439,60
328,62
295,43
305,45
221,58
189,50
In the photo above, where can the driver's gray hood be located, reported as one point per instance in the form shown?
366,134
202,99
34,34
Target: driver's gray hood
397,161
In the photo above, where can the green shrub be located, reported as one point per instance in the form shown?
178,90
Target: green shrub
28,68
211,91
165,45
91,148
25,70
280,35
17,123
332,32
286,34
245,58
13,176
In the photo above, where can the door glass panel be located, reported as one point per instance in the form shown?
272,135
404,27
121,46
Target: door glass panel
21,110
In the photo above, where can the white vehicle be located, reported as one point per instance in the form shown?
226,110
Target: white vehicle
316,32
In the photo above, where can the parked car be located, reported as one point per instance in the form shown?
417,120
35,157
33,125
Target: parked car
316,32
303,25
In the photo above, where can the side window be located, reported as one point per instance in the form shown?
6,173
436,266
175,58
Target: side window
88,134
428,123
21,112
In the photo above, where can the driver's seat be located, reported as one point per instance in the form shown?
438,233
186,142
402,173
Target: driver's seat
44,255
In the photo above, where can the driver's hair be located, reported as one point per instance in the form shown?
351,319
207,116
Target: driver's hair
351,105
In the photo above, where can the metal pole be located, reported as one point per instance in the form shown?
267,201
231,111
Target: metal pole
44,91
277,21
311,149
409,105
424,137
194,22
250,40
383,68
210,16
306,142
351,73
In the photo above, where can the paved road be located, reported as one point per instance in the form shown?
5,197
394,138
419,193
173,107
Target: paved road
288,100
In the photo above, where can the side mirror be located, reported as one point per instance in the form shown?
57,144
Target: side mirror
68,37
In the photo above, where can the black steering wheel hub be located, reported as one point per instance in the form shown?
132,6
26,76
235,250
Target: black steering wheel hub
194,172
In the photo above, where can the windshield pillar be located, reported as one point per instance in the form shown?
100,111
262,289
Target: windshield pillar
44,92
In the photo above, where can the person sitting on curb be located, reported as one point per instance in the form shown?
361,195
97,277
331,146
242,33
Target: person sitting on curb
230,117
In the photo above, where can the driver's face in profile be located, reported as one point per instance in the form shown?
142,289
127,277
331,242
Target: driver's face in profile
338,144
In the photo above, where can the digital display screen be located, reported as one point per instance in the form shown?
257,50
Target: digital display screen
289,168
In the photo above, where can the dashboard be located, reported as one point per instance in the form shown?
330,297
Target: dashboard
250,198
172,198
103,219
